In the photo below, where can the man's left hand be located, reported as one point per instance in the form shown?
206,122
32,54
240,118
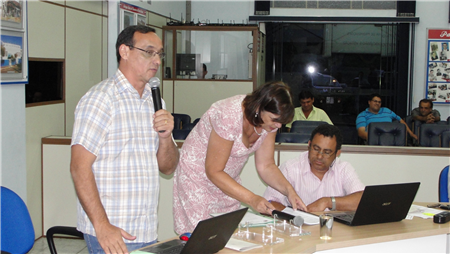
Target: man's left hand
319,205
163,123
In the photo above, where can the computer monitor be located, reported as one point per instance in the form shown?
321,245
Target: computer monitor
188,64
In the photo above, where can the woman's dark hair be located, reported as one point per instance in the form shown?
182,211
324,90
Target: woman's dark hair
273,97
127,35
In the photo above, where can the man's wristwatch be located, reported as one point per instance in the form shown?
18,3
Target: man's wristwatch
333,204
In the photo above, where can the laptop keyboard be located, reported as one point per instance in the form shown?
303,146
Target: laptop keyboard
172,250
346,217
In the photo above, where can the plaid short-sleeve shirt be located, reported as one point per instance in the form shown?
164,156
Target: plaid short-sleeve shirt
114,123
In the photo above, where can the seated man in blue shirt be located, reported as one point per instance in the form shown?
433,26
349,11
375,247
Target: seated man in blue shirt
376,113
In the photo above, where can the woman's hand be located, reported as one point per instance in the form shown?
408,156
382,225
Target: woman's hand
261,205
296,201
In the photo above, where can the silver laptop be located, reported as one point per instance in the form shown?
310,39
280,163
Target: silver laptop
210,236
380,204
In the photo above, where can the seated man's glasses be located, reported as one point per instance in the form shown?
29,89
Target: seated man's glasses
325,152
150,53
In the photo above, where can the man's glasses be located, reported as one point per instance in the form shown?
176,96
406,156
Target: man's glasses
376,101
325,153
150,53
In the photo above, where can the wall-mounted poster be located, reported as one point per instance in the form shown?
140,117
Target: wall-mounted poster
438,69
14,50
12,55
12,14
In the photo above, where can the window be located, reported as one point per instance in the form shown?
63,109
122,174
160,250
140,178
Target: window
341,64
45,81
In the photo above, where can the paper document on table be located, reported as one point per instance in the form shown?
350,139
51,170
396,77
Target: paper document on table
422,211
254,220
240,245
310,219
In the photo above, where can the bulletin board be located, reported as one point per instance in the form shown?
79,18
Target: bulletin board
438,69
14,48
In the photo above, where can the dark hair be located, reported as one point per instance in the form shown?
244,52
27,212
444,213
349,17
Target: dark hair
374,95
204,67
127,36
426,101
305,94
273,97
329,130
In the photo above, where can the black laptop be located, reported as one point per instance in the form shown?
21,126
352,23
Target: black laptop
210,236
380,204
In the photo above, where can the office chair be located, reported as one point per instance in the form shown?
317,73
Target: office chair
180,134
305,126
386,134
72,231
17,228
430,134
191,126
443,185
292,137
180,120
445,139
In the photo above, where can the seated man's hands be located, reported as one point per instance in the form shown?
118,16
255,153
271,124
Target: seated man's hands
320,205
430,118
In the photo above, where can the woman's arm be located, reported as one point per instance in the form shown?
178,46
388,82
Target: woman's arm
217,155
271,174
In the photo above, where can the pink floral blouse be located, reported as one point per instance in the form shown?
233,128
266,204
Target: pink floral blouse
195,196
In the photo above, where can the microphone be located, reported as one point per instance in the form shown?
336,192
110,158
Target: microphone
156,94
296,220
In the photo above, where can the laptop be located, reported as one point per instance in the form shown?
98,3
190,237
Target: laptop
210,236
380,204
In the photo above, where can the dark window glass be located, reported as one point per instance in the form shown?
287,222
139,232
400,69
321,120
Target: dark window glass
341,64
45,81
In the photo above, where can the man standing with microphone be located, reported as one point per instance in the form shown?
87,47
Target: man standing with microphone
120,143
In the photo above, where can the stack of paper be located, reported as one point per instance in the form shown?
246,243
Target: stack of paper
253,220
422,212
240,245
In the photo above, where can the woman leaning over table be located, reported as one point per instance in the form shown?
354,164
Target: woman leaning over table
207,178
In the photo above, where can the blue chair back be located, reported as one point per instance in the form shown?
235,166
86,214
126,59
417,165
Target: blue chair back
180,134
445,139
180,120
443,185
430,134
292,137
16,228
305,126
386,134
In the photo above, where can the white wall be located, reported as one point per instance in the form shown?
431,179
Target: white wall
433,15
13,148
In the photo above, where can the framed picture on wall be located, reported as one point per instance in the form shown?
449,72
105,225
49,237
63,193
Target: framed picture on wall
131,15
13,56
12,14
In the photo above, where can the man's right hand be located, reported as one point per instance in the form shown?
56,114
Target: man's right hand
110,238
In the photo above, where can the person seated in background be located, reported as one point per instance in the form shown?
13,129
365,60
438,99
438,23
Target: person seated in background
425,112
319,177
376,113
205,71
307,111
